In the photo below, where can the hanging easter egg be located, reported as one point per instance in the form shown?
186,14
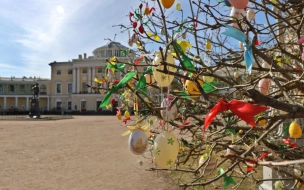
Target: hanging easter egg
262,121
237,13
295,130
128,95
239,4
208,45
165,150
138,142
167,3
264,85
163,79
192,89
236,74
131,103
250,14
208,79
227,3
127,114
178,6
210,166
169,113
184,35
266,65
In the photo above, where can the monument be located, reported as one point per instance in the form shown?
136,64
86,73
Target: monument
34,110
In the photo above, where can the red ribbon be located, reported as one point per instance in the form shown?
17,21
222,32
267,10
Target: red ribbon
243,110
292,144
125,120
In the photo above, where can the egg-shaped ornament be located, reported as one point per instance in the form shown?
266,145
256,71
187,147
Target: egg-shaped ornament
250,14
138,142
236,74
266,65
264,85
167,3
295,130
237,13
231,150
239,4
208,79
165,149
211,165
131,103
192,89
162,79
178,6
168,114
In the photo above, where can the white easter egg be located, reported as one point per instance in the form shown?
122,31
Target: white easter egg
264,85
131,103
169,113
237,13
161,78
236,74
138,142
165,150
250,14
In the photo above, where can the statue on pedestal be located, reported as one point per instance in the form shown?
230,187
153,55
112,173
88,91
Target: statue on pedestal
35,110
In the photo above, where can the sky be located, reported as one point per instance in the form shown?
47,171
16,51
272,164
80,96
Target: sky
35,33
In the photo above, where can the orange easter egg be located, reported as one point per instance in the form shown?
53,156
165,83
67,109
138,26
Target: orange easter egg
167,3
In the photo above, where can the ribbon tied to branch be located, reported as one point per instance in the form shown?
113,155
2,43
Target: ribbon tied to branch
115,88
144,128
239,35
243,110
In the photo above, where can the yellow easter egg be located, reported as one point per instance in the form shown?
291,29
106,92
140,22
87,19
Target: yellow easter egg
127,114
295,130
208,45
208,79
165,150
178,6
167,3
192,89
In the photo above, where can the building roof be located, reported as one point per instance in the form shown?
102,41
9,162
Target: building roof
111,44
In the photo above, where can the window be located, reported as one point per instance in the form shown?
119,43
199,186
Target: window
84,88
1,88
109,53
70,71
12,88
84,70
102,53
69,106
58,72
99,70
58,88
22,88
43,89
117,53
70,87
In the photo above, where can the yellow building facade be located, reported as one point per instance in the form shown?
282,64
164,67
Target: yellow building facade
67,87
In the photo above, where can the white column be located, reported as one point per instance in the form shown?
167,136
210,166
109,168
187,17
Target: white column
4,106
78,80
93,76
89,79
48,104
74,80
16,102
27,104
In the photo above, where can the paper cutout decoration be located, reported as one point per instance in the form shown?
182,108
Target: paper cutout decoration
192,89
167,3
227,179
155,36
264,85
243,110
168,114
295,130
239,35
165,150
239,4
161,78
292,144
186,62
118,114
115,88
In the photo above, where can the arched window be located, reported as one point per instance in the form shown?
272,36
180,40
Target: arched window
11,88
22,88
43,89
1,88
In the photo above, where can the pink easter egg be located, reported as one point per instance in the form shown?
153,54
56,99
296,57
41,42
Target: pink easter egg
239,4
301,40
264,85
303,55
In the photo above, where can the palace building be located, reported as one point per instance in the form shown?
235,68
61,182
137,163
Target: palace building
67,87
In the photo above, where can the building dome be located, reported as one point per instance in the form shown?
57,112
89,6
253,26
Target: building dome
109,50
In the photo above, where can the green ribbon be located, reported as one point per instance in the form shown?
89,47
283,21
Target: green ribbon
117,67
185,59
208,87
142,84
125,52
227,179
115,88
